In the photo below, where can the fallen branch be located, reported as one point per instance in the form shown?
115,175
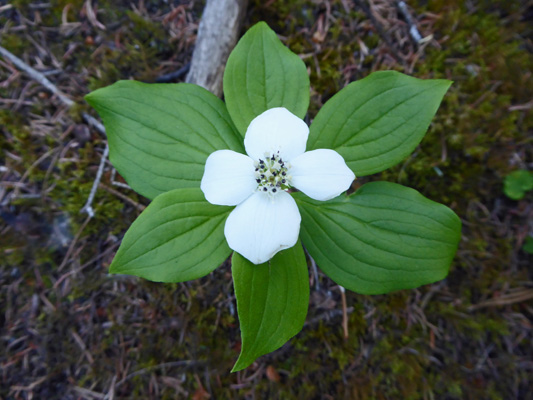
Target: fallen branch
217,36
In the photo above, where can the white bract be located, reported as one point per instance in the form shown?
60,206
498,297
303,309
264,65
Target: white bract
266,219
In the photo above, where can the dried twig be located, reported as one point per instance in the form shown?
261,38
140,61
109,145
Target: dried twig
73,243
344,312
6,7
379,28
413,30
89,394
174,76
114,192
517,296
181,363
327,315
37,76
314,269
90,262
94,123
87,208
40,78
91,16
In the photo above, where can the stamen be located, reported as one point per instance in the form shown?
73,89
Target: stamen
271,174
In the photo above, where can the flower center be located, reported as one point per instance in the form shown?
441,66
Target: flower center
271,174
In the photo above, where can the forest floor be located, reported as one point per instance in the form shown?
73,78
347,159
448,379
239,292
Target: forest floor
69,330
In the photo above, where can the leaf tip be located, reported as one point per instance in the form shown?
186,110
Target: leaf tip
95,96
443,85
241,364
261,25
116,266
90,98
447,83
235,369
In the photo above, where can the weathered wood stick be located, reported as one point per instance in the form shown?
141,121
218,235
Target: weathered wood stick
217,35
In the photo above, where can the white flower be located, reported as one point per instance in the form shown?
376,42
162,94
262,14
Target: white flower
266,219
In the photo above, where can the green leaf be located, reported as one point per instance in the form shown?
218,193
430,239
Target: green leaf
272,300
385,237
376,122
262,73
161,134
178,237
528,245
517,183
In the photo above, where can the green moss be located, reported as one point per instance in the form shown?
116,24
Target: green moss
21,4
14,43
147,30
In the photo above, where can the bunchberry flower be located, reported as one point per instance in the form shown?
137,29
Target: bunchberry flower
266,219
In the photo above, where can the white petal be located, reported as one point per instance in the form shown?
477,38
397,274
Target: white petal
275,130
263,225
228,178
321,174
